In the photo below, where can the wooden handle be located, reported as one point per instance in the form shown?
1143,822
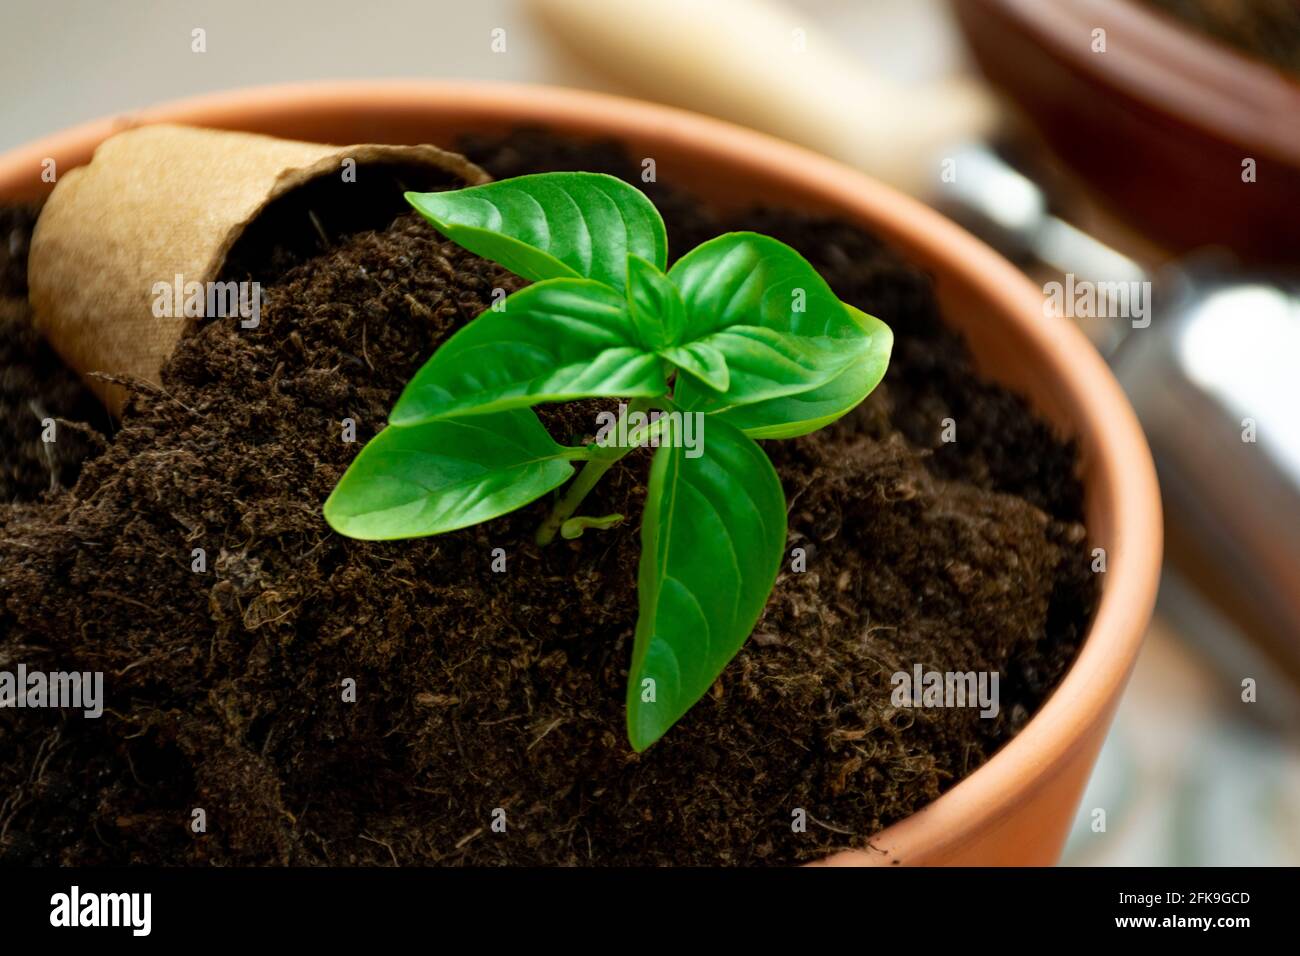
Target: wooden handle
758,64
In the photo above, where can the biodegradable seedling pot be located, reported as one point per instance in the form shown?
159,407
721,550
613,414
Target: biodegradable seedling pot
116,224
1017,808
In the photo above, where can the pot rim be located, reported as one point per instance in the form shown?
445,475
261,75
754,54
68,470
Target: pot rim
1122,474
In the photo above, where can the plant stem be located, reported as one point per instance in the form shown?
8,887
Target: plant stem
566,506
592,471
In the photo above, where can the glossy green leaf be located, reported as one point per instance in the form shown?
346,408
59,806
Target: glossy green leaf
702,360
656,307
792,415
444,475
558,340
765,309
764,364
712,537
552,225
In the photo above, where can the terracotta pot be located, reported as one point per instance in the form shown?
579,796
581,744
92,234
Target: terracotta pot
1159,124
1018,807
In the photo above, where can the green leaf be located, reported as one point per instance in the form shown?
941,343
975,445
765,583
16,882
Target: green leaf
702,360
765,309
660,316
655,304
444,475
552,225
792,415
558,340
763,364
712,537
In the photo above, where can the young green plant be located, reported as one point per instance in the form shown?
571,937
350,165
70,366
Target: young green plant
741,331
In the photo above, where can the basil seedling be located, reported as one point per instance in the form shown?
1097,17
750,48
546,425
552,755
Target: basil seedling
741,332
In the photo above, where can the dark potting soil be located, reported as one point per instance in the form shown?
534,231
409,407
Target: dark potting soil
478,690
1266,29
39,397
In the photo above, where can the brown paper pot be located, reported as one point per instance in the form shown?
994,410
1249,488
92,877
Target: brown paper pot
165,204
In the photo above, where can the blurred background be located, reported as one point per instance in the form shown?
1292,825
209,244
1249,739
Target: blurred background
1113,141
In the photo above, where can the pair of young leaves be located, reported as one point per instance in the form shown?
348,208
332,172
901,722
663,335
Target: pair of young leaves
757,342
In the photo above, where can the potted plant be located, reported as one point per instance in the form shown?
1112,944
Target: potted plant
1015,808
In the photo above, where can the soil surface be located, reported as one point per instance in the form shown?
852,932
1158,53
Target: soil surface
478,691
39,397
1266,29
